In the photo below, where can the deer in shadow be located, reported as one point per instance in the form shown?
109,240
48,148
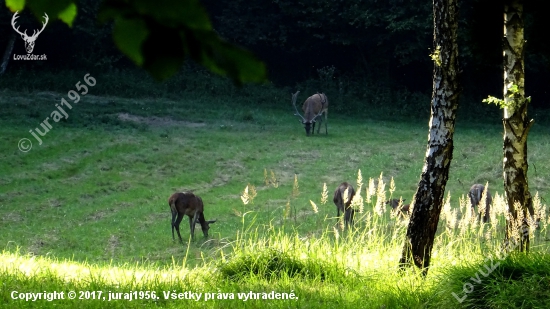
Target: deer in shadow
187,203
402,210
476,196
313,108
342,200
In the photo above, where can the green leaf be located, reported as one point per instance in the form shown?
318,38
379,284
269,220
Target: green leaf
15,5
206,48
493,100
239,64
163,52
173,13
129,35
157,35
68,15
64,9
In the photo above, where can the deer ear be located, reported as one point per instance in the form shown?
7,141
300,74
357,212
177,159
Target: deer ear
211,221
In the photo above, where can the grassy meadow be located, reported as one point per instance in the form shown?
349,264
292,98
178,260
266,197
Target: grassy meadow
87,209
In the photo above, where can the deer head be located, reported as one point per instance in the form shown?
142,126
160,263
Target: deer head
29,40
398,207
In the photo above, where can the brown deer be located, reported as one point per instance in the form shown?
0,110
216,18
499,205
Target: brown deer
189,204
344,207
313,108
475,194
403,210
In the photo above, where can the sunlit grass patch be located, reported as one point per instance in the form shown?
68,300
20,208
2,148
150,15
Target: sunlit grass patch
498,281
22,266
271,264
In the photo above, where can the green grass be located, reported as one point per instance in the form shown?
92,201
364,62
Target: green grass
87,209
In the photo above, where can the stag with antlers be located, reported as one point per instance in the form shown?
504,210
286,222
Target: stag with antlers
29,40
313,108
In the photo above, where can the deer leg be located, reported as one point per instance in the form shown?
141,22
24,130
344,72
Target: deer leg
177,225
326,129
348,217
487,213
174,216
192,223
192,228
319,126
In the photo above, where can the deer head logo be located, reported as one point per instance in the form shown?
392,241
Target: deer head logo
29,40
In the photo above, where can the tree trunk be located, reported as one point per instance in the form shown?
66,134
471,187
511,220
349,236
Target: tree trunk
516,126
7,53
429,196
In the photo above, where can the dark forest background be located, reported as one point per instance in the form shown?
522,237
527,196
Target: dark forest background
366,52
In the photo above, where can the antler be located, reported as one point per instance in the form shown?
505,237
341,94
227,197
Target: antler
43,25
294,97
34,33
13,24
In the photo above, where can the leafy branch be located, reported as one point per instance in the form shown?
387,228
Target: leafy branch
159,35
436,56
513,98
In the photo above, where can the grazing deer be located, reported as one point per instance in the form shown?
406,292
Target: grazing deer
189,204
402,211
313,108
342,206
475,194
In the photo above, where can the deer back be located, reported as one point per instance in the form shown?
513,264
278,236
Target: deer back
186,203
314,105
475,194
339,196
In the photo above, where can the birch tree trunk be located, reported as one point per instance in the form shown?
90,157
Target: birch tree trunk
429,196
516,127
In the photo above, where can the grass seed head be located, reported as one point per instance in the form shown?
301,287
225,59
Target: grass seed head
324,194
314,206
295,187
244,196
